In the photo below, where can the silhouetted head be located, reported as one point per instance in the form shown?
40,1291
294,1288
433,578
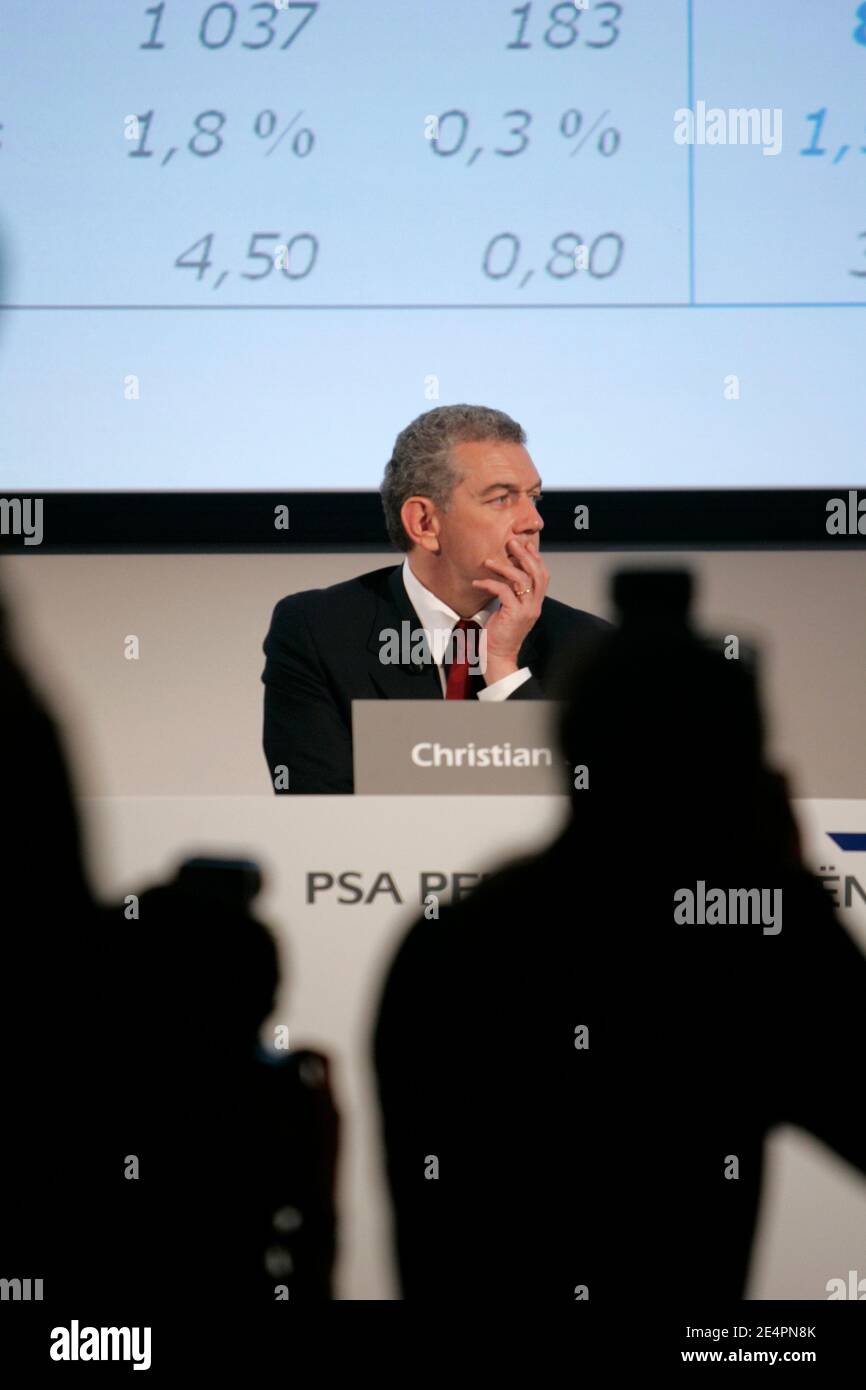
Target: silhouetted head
210,964
667,727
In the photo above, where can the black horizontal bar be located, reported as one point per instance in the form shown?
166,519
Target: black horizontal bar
94,522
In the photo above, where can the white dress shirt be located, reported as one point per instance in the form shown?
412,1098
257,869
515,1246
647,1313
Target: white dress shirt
438,620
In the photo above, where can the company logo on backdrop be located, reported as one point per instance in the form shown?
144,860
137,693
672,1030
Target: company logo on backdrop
351,887
849,840
844,888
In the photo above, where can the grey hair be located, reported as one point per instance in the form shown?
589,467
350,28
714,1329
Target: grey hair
421,464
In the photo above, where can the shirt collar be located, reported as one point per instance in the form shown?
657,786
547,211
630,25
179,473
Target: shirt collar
437,619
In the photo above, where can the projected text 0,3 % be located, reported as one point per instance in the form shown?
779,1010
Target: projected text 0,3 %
448,134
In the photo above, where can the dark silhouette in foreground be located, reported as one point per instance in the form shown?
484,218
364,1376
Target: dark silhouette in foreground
601,1164
134,1037
239,1145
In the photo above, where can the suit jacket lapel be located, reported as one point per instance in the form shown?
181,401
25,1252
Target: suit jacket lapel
405,679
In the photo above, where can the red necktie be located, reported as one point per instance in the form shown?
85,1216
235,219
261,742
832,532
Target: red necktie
461,684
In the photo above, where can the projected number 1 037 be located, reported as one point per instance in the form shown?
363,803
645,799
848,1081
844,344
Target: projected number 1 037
222,25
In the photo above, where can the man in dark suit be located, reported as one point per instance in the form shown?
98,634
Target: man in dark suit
459,494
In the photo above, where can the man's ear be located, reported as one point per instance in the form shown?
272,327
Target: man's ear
421,524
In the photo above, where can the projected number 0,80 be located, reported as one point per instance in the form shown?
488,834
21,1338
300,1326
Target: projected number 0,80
599,258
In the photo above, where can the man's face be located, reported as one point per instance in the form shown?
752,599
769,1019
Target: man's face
495,501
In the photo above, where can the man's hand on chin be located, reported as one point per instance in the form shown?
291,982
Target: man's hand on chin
518,613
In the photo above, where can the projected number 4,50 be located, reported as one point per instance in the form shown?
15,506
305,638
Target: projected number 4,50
293,256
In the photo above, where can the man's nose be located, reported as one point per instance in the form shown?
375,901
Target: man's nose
530,522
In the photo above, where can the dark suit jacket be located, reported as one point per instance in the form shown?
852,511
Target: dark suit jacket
323,652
